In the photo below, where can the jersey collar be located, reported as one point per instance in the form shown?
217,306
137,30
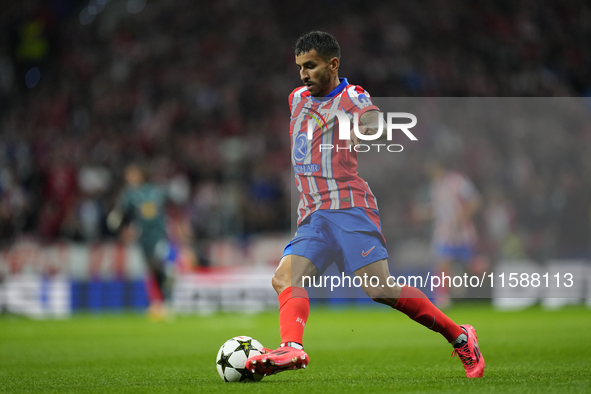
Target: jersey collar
334,92
340,87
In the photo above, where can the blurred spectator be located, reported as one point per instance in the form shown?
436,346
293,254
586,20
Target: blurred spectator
499,218
572,202
202,86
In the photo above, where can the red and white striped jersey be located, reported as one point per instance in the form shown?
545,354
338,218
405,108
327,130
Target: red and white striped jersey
449,194
327,178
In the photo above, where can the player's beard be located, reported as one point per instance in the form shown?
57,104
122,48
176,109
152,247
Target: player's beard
323,84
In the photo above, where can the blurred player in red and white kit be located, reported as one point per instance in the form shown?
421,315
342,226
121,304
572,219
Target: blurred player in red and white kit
452,202
338,219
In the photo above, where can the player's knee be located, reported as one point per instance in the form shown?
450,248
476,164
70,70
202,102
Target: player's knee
386,301
378,294
382,295
281,280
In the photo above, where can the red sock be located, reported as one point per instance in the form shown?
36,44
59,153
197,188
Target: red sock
152,290
415,304
294,307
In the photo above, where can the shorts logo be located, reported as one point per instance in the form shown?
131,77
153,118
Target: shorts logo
364,254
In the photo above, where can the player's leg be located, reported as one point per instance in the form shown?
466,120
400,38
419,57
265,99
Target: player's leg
294,308
413,302
290,272
448,259
158,253
409,300
442,294
155,283
294,305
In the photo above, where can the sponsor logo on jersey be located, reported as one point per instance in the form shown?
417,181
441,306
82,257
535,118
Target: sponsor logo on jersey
300,150
303,168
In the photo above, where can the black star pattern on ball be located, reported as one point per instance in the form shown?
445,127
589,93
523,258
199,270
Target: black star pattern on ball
245,346
223,361
245,375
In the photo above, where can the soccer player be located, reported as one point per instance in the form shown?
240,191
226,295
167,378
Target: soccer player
143,205
338,217
453,201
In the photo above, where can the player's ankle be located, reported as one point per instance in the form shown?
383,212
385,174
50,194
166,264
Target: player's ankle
460,341
294,345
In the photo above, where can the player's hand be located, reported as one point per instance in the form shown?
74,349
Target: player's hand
353,139
114,220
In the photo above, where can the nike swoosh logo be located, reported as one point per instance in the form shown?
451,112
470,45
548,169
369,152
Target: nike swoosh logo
364,254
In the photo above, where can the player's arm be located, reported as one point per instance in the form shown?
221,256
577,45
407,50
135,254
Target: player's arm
422,209
470,207
114,220
422,212
120,222
369,122
472,201
120,216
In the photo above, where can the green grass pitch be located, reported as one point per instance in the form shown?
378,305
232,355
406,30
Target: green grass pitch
352,350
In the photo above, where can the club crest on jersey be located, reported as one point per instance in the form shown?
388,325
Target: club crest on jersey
320,121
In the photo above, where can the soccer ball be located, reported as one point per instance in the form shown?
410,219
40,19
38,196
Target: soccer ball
232,356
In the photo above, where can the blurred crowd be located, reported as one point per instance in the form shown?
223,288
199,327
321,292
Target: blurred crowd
197,90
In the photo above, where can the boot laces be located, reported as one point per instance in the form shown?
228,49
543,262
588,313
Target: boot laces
464,354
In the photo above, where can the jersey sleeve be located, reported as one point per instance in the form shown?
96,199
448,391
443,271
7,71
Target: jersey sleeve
290,99
297,93
358,100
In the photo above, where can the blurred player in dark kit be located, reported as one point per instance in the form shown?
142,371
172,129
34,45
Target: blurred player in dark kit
140,215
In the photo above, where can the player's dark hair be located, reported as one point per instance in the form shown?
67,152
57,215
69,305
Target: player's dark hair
445,160
325,44
141,167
